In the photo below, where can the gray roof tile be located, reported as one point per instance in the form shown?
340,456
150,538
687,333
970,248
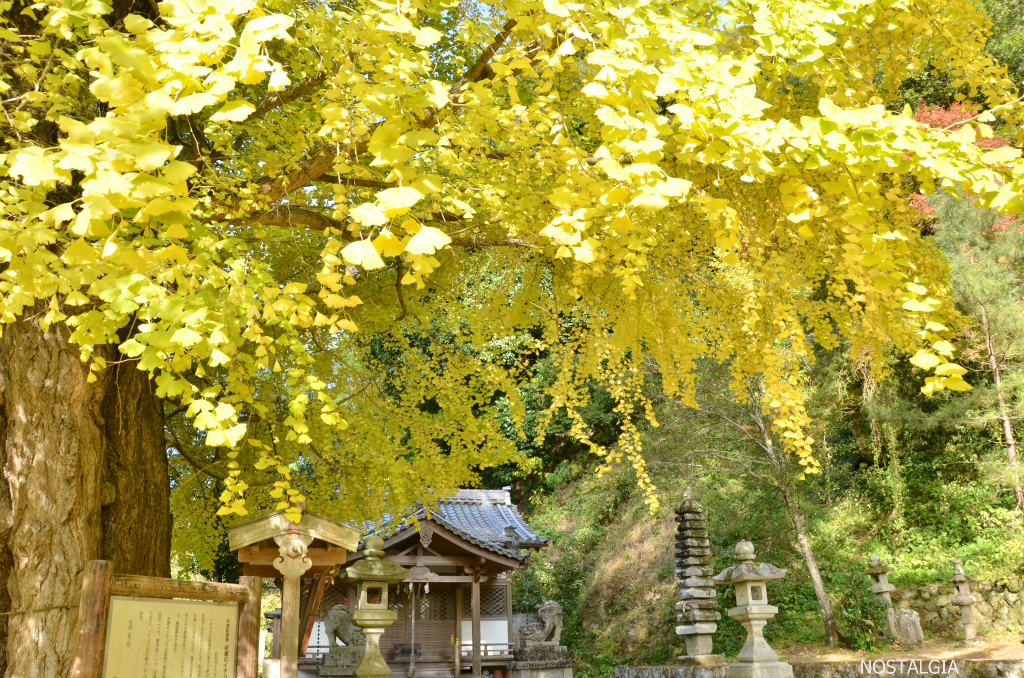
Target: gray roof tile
479,517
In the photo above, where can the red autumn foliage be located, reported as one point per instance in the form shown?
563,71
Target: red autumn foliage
953,118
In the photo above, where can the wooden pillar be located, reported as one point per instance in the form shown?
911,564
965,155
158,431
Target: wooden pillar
292,564
290,628
247,658
92,619
309,615
275,631
508,614
475,608
458,630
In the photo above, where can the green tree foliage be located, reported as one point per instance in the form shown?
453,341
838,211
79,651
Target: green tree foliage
282,211
987,262
1007,41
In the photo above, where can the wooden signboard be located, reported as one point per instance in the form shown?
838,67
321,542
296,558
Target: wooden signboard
152,627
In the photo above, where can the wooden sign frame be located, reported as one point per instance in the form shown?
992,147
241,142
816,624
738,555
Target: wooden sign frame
99,583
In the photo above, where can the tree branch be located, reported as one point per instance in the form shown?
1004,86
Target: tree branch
354,181
321,162
277,100
291,216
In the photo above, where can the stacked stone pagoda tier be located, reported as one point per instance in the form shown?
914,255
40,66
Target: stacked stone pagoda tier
697,608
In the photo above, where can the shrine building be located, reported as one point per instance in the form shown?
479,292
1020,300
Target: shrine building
455,608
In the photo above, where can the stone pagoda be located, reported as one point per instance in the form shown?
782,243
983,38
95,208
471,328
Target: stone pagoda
698,605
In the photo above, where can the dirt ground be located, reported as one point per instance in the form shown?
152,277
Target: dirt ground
991,646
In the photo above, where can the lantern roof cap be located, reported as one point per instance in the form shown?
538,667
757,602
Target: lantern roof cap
372,568
749,572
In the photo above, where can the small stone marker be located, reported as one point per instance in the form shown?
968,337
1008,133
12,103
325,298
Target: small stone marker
698,605
964,599
757,659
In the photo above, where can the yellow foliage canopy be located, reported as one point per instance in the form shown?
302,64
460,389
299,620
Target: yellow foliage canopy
321,224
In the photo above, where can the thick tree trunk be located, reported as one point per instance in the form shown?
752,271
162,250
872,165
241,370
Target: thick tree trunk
84,476
1004,415
137,519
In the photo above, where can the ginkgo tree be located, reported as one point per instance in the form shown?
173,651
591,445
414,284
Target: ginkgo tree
306,227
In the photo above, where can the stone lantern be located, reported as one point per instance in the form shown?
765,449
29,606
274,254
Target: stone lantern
903,625
882,589
756,659
880,585
373,576
964,599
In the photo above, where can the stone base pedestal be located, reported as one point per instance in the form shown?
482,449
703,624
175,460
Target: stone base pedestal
707,661
340,661
539,671
760,670
541,661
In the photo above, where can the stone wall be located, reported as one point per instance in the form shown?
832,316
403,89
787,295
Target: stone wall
1000,606
670,672
936,668
867,668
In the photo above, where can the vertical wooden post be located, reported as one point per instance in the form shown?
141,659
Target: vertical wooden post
508,614
275,641
475,608
92,620
290,628
249,653
316,594
458,630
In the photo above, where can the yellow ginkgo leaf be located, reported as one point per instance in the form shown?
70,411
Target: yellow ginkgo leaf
235,110
427,241
926,360
950,370
362,253
388,244
396,201
956,383
368,214
649,201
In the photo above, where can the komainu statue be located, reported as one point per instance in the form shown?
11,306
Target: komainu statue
548,631
346,641
540,654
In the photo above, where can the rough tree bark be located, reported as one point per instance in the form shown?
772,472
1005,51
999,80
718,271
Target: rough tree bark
83,466
84,476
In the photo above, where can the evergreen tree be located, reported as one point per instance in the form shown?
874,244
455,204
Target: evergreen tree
986,255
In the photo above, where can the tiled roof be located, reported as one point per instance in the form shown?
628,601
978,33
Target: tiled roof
480,517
